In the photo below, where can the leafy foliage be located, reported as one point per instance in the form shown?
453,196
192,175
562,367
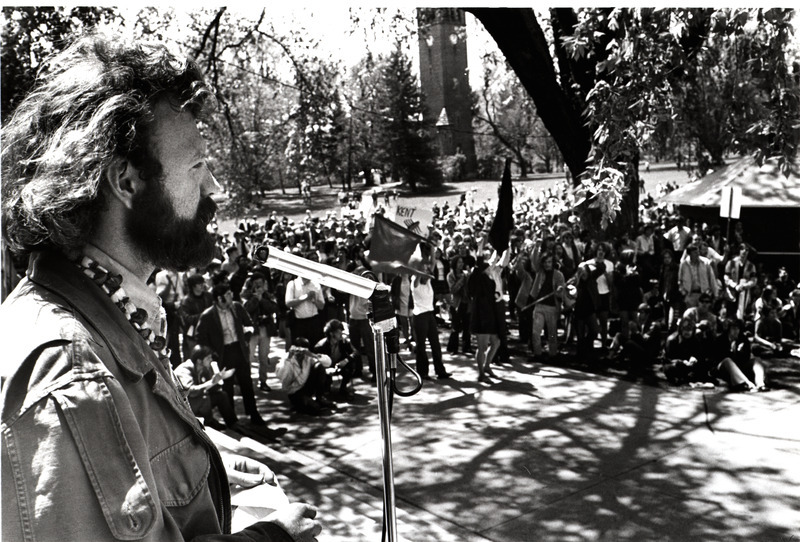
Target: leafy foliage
721,74
29,34
719,79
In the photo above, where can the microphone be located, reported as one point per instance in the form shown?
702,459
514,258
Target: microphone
324,274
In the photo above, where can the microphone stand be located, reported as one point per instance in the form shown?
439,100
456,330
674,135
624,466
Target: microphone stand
384,326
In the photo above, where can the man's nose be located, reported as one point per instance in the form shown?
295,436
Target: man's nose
210,185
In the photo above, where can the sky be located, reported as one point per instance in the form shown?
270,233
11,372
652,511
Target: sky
330,23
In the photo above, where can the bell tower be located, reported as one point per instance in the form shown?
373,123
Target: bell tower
444,79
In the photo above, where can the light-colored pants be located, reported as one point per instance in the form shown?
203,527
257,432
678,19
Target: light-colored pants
259,352
545,317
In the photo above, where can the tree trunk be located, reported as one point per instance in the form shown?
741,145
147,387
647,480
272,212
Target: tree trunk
522,41
523,166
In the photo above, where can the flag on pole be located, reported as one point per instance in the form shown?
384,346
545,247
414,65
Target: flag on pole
394,249
500,233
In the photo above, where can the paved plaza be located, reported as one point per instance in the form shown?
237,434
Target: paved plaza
547,453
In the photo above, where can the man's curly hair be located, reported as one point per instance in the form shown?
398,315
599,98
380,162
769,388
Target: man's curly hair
91,103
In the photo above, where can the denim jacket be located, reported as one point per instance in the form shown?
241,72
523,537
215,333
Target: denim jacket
98,443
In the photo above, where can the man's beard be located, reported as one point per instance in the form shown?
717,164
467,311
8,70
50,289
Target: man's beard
166,240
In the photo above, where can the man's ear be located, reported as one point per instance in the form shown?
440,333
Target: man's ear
123,181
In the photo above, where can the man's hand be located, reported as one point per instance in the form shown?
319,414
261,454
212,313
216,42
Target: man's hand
297,519
247,472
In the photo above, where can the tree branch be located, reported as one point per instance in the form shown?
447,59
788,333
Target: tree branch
523,43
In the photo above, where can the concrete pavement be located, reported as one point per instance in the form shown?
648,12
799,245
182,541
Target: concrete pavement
546,453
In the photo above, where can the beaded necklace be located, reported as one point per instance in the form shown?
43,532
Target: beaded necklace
111,284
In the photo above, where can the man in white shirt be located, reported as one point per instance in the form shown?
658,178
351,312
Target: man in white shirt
425,328
645,253
304,297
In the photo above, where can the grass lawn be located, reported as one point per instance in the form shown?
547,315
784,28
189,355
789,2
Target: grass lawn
325,198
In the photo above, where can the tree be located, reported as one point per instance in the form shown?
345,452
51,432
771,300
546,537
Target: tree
402,135
364,121
619,72
29,34
271,132
508,111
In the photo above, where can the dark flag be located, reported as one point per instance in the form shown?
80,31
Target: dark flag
500,233
393,248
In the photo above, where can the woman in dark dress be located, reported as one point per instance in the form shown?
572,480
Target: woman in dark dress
483,319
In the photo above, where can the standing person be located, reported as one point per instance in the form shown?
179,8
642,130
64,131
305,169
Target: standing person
603,289
425,328
192,306
166,283
225,327
231,262
361,335
483,321
695,276
740,279
645,253
260,304
497,263
628,290
402,303
459,306
585,311
547,291
679,234
304,299
105,180
668,285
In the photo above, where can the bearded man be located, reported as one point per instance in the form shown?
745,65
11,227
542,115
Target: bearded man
105,180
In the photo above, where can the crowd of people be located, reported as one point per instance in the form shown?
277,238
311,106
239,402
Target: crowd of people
631,300
111,358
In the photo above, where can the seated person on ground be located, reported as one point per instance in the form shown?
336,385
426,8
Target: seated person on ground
790,317
703,311
684,356
734,361
768,339
202,381
341,353
303,376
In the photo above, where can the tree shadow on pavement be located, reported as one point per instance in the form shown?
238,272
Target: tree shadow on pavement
548,453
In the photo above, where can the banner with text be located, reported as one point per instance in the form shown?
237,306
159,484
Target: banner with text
410,215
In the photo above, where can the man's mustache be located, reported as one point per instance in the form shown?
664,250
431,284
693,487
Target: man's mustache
206,210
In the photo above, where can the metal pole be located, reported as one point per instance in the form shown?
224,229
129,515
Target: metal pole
386,431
